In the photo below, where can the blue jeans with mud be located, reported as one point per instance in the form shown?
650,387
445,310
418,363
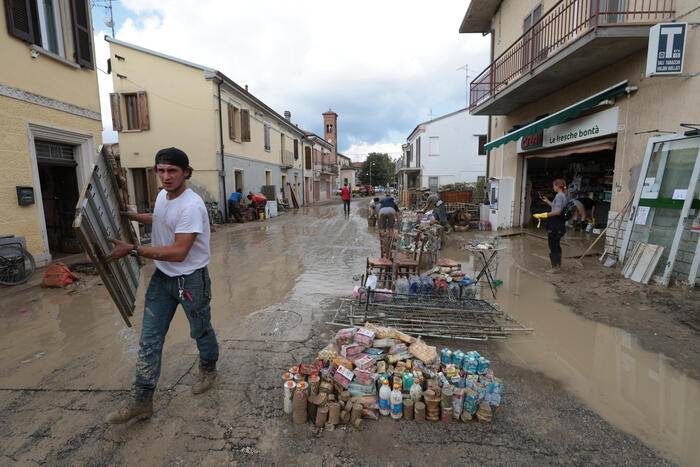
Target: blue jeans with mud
162,299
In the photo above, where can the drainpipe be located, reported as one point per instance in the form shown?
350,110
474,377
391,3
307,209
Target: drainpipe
221,144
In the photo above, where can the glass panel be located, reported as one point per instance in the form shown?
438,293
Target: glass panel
49,16
131,112
670,168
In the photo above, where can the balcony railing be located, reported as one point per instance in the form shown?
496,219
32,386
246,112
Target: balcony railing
566,21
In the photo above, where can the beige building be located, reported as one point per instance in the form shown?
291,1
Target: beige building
346,172
568,95
50,123
233,139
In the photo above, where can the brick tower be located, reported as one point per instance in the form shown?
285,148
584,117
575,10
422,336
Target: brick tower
330,132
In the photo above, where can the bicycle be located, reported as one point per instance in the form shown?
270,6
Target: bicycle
215,216
16,264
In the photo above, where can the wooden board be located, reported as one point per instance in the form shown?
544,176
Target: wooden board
295,199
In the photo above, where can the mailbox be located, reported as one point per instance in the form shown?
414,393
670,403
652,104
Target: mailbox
25,195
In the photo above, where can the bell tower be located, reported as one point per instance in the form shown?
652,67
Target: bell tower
330,132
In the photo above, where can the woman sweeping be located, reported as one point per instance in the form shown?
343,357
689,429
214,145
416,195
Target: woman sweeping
556,225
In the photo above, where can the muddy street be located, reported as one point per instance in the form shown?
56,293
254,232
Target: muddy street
581,389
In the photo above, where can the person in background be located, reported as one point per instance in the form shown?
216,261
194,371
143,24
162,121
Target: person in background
258,202
234,205
373,207
434,203
345,195
583,207
388,215
556,225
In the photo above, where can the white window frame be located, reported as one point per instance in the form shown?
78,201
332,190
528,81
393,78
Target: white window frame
267,142
58,24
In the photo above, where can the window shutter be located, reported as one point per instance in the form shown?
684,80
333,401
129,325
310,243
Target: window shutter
116,111
231,123
245,125
296,149
144,119
19,19
82,33
152,186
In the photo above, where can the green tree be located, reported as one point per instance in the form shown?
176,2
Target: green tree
382,170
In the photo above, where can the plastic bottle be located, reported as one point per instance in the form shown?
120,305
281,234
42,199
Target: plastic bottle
385,398
396,403
371,282
416,391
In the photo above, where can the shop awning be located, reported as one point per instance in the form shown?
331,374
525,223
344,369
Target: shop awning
568,113
583,148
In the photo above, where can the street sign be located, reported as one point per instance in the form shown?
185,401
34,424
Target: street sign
666,49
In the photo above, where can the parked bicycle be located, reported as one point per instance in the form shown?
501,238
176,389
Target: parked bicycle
215,216
16,264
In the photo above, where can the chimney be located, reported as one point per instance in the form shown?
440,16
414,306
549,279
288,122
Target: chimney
246,88
288,115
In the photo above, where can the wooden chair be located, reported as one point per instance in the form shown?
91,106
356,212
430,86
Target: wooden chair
407,266
383,266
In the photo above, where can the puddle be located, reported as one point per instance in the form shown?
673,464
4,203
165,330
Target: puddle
635,390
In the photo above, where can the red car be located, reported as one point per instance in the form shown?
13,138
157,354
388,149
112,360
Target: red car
367,190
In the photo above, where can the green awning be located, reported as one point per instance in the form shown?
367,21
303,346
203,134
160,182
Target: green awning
568,113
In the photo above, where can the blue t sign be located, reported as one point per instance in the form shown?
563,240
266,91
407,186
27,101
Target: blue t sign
666,48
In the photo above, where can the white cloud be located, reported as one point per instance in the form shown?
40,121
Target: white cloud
358,151
379,65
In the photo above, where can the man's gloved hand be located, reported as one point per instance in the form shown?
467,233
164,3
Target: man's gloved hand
539,217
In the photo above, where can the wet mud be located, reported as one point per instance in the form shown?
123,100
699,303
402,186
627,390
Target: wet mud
577,391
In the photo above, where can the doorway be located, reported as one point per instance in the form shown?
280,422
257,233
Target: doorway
59,193
284,188
238,180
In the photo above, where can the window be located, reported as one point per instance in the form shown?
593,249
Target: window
268,178
234,122
532,36
434,149
329,128
482,143
135,105
267,138
132,113
296,149
307,155
433,184
40,23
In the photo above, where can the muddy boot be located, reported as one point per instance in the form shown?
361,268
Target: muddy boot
139,408
205,380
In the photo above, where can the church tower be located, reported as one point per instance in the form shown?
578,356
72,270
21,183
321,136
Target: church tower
330,132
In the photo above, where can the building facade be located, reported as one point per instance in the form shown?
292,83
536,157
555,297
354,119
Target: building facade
233,139
347,172
50,121
568,95
443,151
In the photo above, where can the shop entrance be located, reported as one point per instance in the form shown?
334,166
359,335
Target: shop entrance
59,195
587,176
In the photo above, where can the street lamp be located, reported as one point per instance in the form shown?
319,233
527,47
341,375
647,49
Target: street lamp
370,173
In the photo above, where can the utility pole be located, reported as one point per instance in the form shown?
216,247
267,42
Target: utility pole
466,81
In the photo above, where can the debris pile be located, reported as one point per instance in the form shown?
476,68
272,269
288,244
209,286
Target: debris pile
372,371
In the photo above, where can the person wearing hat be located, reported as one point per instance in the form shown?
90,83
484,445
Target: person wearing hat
180,250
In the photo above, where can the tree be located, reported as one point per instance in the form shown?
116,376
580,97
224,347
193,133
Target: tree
382,170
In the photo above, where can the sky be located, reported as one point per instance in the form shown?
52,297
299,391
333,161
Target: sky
382,66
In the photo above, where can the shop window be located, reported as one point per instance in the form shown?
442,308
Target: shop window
482,144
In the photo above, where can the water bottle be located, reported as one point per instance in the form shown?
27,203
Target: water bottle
396,403
385,398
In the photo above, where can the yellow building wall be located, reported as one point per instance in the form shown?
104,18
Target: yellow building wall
662,102
45,75
17,167
182,111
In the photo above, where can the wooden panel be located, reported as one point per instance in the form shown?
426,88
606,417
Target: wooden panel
144,119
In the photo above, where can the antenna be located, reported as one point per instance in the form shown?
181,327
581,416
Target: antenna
107,5
466,81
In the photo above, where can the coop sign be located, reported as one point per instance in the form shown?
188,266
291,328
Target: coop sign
581,129
666,49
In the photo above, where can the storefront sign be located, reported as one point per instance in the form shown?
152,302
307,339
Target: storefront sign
589,127
666,49
532,142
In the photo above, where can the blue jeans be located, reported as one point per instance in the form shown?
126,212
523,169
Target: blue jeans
162,299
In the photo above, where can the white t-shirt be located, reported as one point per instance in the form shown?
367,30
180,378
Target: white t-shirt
184,214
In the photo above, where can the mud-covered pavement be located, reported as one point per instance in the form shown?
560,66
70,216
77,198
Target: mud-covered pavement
576,391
